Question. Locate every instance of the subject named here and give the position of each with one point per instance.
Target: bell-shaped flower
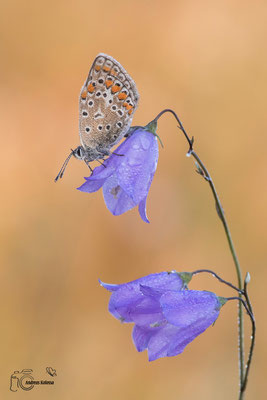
(126, 175)
(166, 315)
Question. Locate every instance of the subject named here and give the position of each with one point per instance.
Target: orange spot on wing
(97, 68)
(130, 111)
(90, 88)
(127, 106)
(122, 96)
(84, 94)
(106, 69)
(115, 89)
(108, 82)
(113, 72)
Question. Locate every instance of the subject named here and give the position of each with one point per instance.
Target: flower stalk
(198, 271)
(202, 170)
(244, 385)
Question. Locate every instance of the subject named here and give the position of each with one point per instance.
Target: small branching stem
(198, 271)
(202, 170)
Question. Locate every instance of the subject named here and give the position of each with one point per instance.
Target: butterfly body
(89, 154)
(107, 102)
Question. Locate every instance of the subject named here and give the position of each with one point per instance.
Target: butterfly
(107, 102)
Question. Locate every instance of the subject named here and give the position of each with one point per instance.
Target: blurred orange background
(207, 61)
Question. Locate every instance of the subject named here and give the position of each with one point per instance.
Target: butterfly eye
(78, 153)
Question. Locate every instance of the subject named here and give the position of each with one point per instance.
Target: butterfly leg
(102, 163)
(116, 154)
(88, 165)
(102, 154)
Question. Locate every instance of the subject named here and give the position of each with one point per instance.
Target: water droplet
(145, 142)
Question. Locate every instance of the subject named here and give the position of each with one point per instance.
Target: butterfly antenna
(62, 169)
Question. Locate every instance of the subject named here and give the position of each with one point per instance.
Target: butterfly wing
(108, 100)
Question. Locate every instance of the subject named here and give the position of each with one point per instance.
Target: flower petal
(116, 199)
(124, 301)
(106, 169)
(142, 210)
(108, 286)
(189, 313)
(141, 336)
(137, 168)
(96, 180)
(127, 301)
(91, 186)
(161, 280)
(162, 341)
(147, 312)
(152, 292)
(190, 308)
(170, 340)
(126, 175)
(159, 341)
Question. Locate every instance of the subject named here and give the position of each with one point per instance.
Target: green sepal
(152, 127)
(186, 277)
(222, 300)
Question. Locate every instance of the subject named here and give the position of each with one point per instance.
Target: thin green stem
(198, 271)
(245, 304)
(220, 212)
(204, 172)
(253, 333)
(221, 215)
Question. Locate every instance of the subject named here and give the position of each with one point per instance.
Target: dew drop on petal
(133, 161)
(145, 142)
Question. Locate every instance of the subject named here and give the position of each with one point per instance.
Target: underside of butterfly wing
(108, 100)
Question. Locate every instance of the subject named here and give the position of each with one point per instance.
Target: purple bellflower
(126, 179)
(166, 315)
